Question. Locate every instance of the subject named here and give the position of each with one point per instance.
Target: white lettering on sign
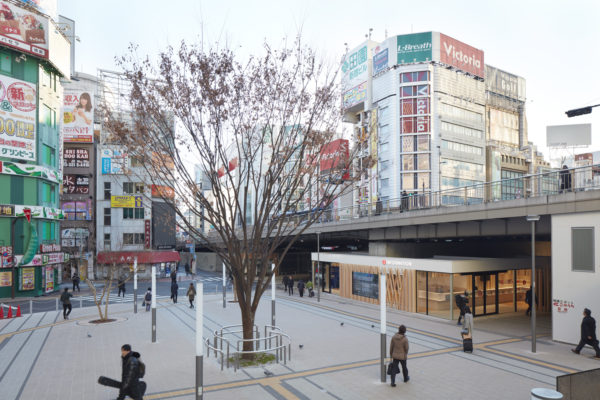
(462, 57)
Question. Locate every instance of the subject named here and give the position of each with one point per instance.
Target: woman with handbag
(399, 353)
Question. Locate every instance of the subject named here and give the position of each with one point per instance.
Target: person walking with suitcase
(65, 298)
(588, 333)
(399, 354)
(467, 331)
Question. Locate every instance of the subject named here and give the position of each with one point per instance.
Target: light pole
(383, 323)
(153, 304)
(273, 294)
(318, 276)
(533, 219)
(135, 285)
(199, 341)
(224, 287)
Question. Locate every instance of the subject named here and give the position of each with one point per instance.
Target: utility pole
(135, 285)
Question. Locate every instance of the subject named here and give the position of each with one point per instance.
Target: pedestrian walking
(173, 276)
(461, 303)
(467, 331)
(148, 299)
(290, 286)
(65, 298)
(565, 179)
(528, 299)
(76, 282)
(121, 286)
(403, 201)
(399, 353)
(187, 269)
(130, 374)
(286, 281)
(191, 294)
(174, 290)
(301, 287)
(588, 333)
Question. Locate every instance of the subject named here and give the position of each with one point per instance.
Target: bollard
(30, 306)
(545, 394)
(56, 304)
(80, 302)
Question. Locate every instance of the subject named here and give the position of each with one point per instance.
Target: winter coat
(300, 285)
(65, 297)
(286, 281)
(588, 328)
(130, 374)
(191, 293)
(174, 288)
(399, 347)
(121, 284)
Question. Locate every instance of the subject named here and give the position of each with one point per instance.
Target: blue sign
(138, 201)
(105, 165)
(380, 61)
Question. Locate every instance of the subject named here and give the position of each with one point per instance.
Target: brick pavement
(42, 356)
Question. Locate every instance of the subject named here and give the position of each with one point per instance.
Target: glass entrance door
(485, 293)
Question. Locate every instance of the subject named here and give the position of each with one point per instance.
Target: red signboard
(461, 56)
(333, 154)
(27, 212)
(49, 248)
(143, 257)
(163, 192)
(147, 233)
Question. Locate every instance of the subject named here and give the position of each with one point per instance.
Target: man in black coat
(301, 287)
(461, 302)
(174, 290)
(130, 376)
(588, 333)
(290, 286)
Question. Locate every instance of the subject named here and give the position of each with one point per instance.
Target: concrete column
(135, 285)
(199, 341)
(272, 294)
(153, 304)
(383, 321)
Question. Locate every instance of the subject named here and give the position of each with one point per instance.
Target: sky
(553, 44)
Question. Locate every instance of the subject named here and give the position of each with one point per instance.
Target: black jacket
(300, 285)
(174, 288)
(588, 328)
(130, 375)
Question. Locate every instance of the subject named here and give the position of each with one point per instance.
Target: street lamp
(533, 219)
(318, 278)
(580, 111)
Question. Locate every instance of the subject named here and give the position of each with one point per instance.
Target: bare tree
(265, 134)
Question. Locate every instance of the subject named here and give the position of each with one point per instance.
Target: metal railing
(226, 339)
(527, 186)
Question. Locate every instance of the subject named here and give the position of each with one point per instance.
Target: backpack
(148, 297)
(141, 368)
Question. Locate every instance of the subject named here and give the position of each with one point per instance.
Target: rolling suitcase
(467, 344)
(104, 381)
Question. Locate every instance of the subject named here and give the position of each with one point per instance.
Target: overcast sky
(553, 44)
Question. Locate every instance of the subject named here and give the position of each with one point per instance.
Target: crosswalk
(117, 299)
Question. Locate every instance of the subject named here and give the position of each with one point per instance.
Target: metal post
(56, 303)
(383, 327)
(533, 303)
(13, 258)
(80, 302)
(318, 277)
(30, 306)
(199, 342)
(153, 304)
(272, 295)
(224, 287)
(135, 285)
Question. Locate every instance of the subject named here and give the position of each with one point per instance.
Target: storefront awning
(143, 257)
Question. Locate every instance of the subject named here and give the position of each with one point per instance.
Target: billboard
(77, 119)
(48, 7)
(113, 161)
(17, 119)
(76, 158)
(504, 83)
(76, 184)
(334, 156)
(415, 47)
(163, 191)
(355, 95)
(355, 67)
(380, 60)
(461, 56)
(126, 201)
(163, 225)
(569, 135)
(23, 30)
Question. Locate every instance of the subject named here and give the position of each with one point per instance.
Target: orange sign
(163, 191)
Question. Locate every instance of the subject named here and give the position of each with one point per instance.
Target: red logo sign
(22, 96)
(27, 212)
(461, 56)
(147, 233)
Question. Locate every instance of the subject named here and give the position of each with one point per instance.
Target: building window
(133, 188)
(5, 63)
(107, 241)
(107, 191)
(136, 162)
(408, 162)
(582, 249)
(133, 213)
(133, 238)
(512, 184)
(107, 215)
(365, 285)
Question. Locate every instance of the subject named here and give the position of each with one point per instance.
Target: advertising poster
(126, 201)
(5, 256)
(415, 47)
(461, 56)
(78, 116)
(76, 184)
(76, 158)
(48, 7)
(49, 279)
(334, 157)
(113, 161)
(17, 116)
(27, 278)
(23, 30)
(380, 61)
(163, 191)
(5, 278)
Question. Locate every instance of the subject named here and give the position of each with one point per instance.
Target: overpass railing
(527, 186)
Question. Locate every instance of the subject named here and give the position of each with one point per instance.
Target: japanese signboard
(76, 158)
(113, 161)
(74, 237)
(501, 82)
(380, 61)
(355, 67)
(126, 201)
(49, 279)
(34, 171)
(23, 30)
(5, 256)
(17, 117)
(44, 259)
(27, 278)
(5, 278)
(49, 248)
(76, 184)
(355, 95)
(147, 234)
(163, 192)
(461, 56)
(7, 210)
(562, 306)
(78, 116)
(415, 47)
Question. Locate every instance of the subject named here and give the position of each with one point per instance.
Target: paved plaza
(43, 356)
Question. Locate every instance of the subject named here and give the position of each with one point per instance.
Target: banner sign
(380, 61)
(27, 276)
(49, 248)
(113, 161)
(461, 56)
(5, 256)
(23, 30)
(11, 210)
(76, 184)
(17, 117)
(6, 278)
(44, 259)
(126, 202)
(78, 116)
(333, 154)
(147, 228)
(415, 47)
(163, 191)
(33, 171)
(355, 95)
(76, 158)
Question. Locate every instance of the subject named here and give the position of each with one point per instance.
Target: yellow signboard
(126, 201)
(5, 278)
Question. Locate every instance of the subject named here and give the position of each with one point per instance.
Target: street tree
(266, 136)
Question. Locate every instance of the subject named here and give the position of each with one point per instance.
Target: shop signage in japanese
(39, 212)
(6, 278)
(34, 171)
(27, 278)
(113, 161)
(23, 30)
(44, 259)
(147, 233)
(78, 116)
(76, 184)
(17, 117)
(7, 210)
(76, 158)
(5, 256)
(126, 201)
(49, 248)
(563, 306)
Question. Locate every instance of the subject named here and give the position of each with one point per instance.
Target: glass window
(582, 249)
(408, 144)
(408, 107)
(408, 162)
(107, 191)
(107, 216)
(422, 292)
(408, 124)
(423, 143)
(512, 184)
(408, 91)
(438, 296)
(408, 181)
(423, 161)
(461, 130)
(423, 180)
(365, 285)
(5, 63)
(107, 241)
(422, 124)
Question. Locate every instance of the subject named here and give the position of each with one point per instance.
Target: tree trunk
(248, 328)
